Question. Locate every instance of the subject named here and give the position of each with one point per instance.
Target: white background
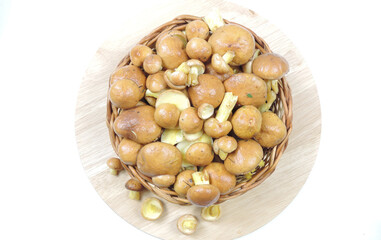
(45, 47)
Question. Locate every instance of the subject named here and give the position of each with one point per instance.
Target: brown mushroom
(224, 145)
(245, 158)
(164, 181)
(220, 177)
(152, 64)
(199, 154)
(138, 124)
(210, 70)
(130, 72)
(176, 79)
(246, 121)
(196, 68)
(221, 63)
(197, 28)
(270, 66)
(128, 151)
(159, 159)
(124, 94)
(139, 53)
(156, 83)
(114, 165)
(210, 90)
(167, 115)
(233, 38)
(135, 188)
(273, 130)
(250, 89)
(170, 46)
(187, 224)
(189, 121)
(202, 193)
(184, 181)
(216, 129)
(175, 97)
(198, 48)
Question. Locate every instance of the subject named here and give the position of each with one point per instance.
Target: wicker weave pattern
(282, 106)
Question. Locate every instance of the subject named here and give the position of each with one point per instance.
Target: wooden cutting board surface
(240, 216)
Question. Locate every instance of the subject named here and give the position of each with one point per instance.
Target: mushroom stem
(183, 68)
(228, 56)
(200, 178)
(152, 94)
(271, 96)
(134, 195)
(113, 172)
(214, 19)
(192, 76)
(248, 67)
(274, 86)
(226, 107)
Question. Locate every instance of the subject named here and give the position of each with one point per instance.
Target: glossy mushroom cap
(197, 28)
(130, 72)
(245, 158)
(159, 159)
(170, 46)
(198, 48)
(227, 144)
(139, 53)
(189, 121)
(203, 195)
(220, 177)
(270, 66)
(167, 115)
(216, 129)
(155, 82)
(210, 90)
(133, 185)
(184, 181)
(250, 89)
(138, 124)
(124, 94)
(128, 151)
(152, 64)
(246, 121)
(164, 180)
(233, 38)
(199, 154)
(114, 163)
(273, 130)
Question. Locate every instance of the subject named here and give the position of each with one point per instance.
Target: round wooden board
(240, 216)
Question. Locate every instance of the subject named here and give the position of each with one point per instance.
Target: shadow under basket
(282, 106)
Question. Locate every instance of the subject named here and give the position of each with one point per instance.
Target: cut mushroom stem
(200, 178)
(226, 107)
(172, 136)
(211, 213)
(214, 19)
(228, 56)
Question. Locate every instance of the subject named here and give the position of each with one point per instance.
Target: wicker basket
(282, 106)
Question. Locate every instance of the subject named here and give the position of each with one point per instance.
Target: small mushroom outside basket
(282, 107)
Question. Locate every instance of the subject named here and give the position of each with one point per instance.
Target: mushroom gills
(211, 213)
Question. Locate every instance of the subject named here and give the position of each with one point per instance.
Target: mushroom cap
(198, 48)
(270, 66)
(273, 130)
(133, 185)
(245, 158)
(138, 124)
(124, 94)
(197, 28)
(114, 163)
(128, 151)
(227, 144)
(155, 82)
(220, 177)
(189, 121)
(209, 90)
(170, 46)
(159, 158)
(203, 195)
(246, 121)
(152, 64)
(219, 64)
(164, 180)
(199, 154)
(175, 79)
(139, 53)
(184, 181)
(215, 129)
(234, 38)
(167, 115)
(130, 72)
(250, 89)
(210, 70)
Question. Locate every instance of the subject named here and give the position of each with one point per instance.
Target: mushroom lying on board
(211, 213)
(187, 224)
(152, 209)
(114, 165)
(135, 188)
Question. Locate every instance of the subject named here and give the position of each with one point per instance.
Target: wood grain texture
(240, 216)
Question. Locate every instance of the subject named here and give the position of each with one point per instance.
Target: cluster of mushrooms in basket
(193, 114)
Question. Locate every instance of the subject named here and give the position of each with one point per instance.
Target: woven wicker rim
(282, 106)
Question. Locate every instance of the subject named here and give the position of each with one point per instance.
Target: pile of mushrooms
(194, 111)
